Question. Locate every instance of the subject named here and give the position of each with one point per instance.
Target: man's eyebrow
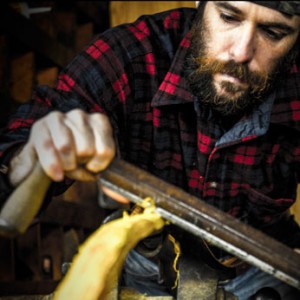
(223, 4)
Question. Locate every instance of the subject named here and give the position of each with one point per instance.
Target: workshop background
(37, 39)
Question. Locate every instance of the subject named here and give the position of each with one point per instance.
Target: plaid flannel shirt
(133, 73)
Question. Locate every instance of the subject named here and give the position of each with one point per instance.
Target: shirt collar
(174, 89)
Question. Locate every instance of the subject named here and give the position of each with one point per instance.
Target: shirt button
(213, 185)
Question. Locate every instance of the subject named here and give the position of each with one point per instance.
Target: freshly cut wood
(96, 268)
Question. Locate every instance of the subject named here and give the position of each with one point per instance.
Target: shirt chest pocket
(263, 209)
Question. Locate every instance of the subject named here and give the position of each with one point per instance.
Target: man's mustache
(258, 82)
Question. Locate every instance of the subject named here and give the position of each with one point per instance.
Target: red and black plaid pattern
(133, 73)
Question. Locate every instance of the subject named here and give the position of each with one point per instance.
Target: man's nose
(243, 47)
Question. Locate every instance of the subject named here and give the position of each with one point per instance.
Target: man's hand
(75, 144)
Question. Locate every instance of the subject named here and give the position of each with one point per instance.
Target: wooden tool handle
(24, 203)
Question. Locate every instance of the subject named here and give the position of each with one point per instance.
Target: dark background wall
(38, 38)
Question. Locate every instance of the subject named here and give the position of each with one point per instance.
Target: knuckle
(37, 126)
(47, 143)
(53, 117)
(52, 169)
(84, 156)
(76, 113)
(64, 147)
(85, 150)
(105, 152)
(54, 114)
(100, 160)
(100, 118)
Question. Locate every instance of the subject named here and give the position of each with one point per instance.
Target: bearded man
(206, 99)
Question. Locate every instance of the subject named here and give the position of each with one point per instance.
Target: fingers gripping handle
(24, 203)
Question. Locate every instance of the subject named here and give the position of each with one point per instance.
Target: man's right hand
(75, 144)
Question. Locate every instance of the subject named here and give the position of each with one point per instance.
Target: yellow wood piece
(96, 268)
(295, 210)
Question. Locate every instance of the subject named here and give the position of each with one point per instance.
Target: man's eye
(228, 18)
(273, 35)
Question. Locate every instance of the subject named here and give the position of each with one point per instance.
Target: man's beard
(242, 100)
(201, 68)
